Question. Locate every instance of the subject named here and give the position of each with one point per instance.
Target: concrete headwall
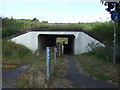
(30, 40)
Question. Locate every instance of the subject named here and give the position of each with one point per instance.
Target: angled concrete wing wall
(86, 39)
(81, 41)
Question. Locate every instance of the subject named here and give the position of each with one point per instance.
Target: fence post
(62, 49)
(59, 49)
(55, 50)
(48, 56)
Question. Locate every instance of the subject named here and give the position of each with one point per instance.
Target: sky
(55, 11)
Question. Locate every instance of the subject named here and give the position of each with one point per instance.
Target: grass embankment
(14, 55)
(104, 31)
(98, 64)
(14, 26)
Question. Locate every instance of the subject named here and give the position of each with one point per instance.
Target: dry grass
(33, 77)
(58, 75)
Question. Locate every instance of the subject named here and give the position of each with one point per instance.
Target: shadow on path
(11, 75)
(80, 80)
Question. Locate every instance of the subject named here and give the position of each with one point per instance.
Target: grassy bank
(15, 26)
(98, 64)
(14, 54)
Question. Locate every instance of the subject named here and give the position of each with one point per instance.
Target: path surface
(80, 80)
(12, 75)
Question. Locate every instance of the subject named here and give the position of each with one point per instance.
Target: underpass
(46, 40)
(39, 39)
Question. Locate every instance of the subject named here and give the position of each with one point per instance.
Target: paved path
(11, 75)
(80, 80)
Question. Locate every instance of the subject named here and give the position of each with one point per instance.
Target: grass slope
(14, 54)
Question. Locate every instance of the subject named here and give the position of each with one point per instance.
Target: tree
(44, 21)
(35, 19)
(12, 18)
(113, 7)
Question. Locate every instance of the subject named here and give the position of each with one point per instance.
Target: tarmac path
(11, 75)
(80, 80)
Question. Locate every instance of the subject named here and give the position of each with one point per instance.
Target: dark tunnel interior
(46, 40)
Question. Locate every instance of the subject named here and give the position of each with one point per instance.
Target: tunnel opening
(46, 40)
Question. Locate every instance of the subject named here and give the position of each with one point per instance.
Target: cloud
(88, 19)
(99, 18)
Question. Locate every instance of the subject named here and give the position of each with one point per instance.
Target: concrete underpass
(78, 40)
(47, 40)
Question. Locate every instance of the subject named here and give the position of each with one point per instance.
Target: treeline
(104, 31)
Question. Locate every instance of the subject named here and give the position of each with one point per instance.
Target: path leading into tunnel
(80, 80)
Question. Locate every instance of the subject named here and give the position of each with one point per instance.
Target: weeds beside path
(34, 77)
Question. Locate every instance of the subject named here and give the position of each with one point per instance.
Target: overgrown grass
(58, 76)
(105, 54)
(99, 64)
(35, 76)
(14, 54)
(14, 26)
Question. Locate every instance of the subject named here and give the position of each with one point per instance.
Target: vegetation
(15, 26)
(105, 54)
(99, 68)
(97, 63)
(104, 31)
(34, 77)
(14, 54)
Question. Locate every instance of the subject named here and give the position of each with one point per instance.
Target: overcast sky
(61, 11)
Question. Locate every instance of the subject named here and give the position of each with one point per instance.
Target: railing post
(48, 57)
(55, 58)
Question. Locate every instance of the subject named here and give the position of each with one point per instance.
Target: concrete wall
(87, 39)
(30, 40)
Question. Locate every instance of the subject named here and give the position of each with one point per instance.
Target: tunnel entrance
(46, 40)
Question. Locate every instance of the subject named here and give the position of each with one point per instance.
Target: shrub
(23, 51)
(105, 53)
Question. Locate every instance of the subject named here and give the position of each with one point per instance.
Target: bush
(23, 52)
(9, 32)
(105, 53)
(6, 53)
